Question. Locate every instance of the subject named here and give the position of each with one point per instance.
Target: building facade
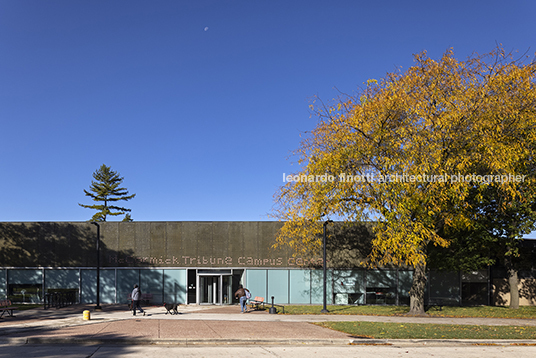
(204, 262)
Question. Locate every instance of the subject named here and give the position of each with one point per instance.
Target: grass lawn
(384, 330)
(526, 312)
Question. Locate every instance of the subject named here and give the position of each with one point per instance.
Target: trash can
(272, 309)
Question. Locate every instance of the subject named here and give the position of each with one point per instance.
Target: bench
(5, 306)
(257, 302)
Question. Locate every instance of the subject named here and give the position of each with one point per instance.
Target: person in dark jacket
(241, 295)
(136, 297)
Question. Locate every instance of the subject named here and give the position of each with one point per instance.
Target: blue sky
(198, 104)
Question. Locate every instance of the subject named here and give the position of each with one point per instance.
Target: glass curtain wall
(288, 286)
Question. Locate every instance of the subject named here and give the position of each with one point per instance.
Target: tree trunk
(513, 283)
(416, 294)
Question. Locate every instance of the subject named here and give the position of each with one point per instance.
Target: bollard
(87, 315)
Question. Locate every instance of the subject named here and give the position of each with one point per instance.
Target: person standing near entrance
(136, 297)
(241, 294)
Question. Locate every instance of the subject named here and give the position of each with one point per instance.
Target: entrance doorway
(209, 289)
(212, 286)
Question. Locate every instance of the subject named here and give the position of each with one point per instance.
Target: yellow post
(86, 315)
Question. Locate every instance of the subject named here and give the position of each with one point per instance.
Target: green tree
(399, 153)
(506, 221)
(499, 222)
(106, 189)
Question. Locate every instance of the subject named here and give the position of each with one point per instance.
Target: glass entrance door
(227, 290)
(209, 290)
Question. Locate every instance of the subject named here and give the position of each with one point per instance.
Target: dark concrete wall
(143, 244)
(168, 244)
(192, 244)
(47, 244)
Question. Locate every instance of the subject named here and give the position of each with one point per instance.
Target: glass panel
(152, 286)
(64, 281)
(18, 277)
(61, 279)
(474, 293)
(25, 285)
(256, 283)
(381, 287)
(317, 287)
(126, 279)
(405, 280)
(3, 290)
(300, 286)
(475, 288)
(88, 286)
(444, 286)
(107, 286)
(348, 286)
(227, 290)
(203, 298)
(277, 286)
(209, 289)
(175, 286)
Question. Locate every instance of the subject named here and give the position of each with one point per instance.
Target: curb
(261, 342)
(176, 341)
(444, 342)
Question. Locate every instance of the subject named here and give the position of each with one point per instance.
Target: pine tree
(105, 189)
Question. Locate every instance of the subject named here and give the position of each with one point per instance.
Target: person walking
(241, 294)
(136, 297)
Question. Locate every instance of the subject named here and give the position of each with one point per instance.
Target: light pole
(98, 307)
(324, 309)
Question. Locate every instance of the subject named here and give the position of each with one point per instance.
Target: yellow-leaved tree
(404, 152)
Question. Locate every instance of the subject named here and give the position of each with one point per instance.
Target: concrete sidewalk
(204, 325)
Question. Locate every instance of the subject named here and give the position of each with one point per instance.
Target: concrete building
(204, 262)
